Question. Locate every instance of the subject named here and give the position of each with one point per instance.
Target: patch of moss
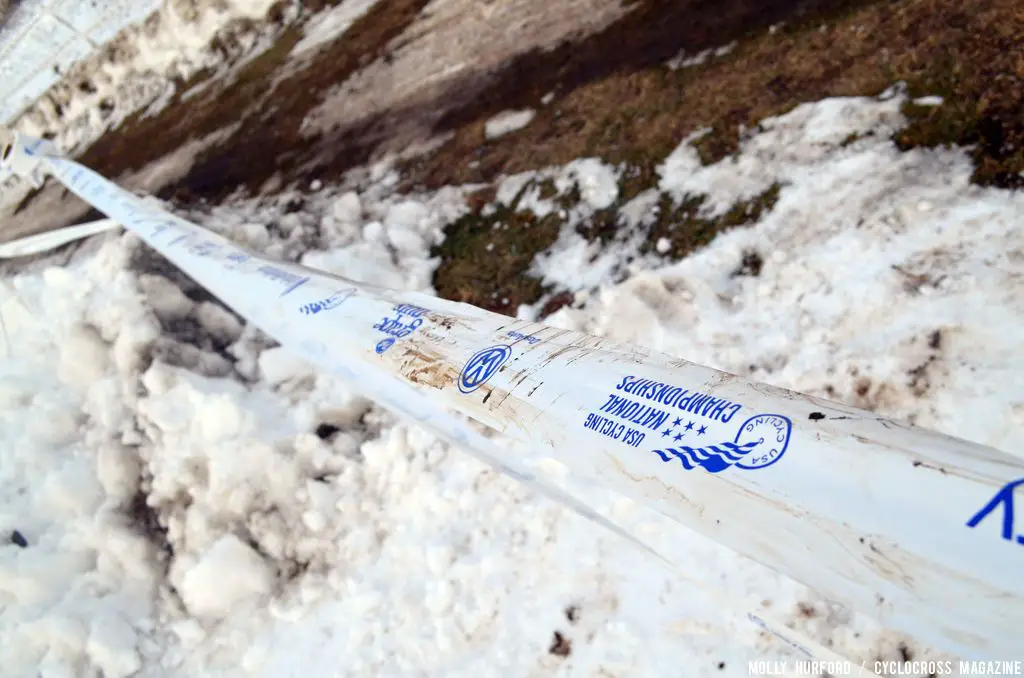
(720, 142)
(980, 125)
(547, 189)
(640, 172)
(751, 211)
(603, 225)
(686, 230)
(485, 258)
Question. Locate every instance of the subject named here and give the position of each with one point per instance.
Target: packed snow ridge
(190, 499)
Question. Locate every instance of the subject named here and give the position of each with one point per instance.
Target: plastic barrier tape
(913, 528)
(44, 242)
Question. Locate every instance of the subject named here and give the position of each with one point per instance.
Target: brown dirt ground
(615, 99)
(971, 53)
(269, 139)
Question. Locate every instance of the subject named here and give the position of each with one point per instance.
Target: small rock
(560, 646)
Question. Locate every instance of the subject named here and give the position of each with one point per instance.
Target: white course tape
(43, 242)
(907, 526)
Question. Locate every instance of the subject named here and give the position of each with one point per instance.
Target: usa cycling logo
(760, 442)
(688, 426)
(482, 367)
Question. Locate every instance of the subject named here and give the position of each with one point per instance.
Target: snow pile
(508, 122)
(886, 280)
(196, 501)
(69, 477)
(148, 492)
(41, 39)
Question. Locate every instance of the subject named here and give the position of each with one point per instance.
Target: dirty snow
(136, 69)
(134, 73)
(196, 501)
(456, 40)
(330, 24)
(41, 39)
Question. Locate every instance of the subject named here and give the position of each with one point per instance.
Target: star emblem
(678, 422)
(702, 430)
(666, 432)
(679, 436)
(689, 426)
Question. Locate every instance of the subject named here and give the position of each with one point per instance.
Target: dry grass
(968, 52)
(686, 230)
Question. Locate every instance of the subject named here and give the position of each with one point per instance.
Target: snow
(226, 579)
(331, 23)
(135, 71)
(681, 60)
(111, 646)
(785, 150)
(598, 184)
(43, 35)
(507, 122)
(198, 501)
(868, 252)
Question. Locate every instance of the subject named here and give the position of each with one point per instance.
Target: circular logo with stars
(768, 434)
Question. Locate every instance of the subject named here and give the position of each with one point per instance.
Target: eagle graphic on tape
(760, 442)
